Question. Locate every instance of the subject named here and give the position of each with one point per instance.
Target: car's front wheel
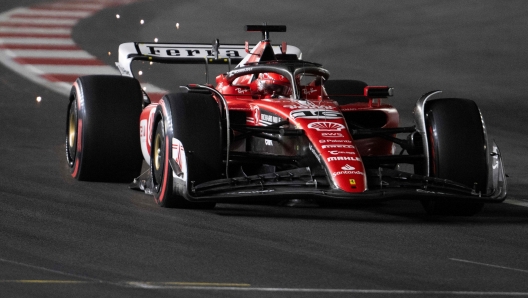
(457, 151)
(186, 148)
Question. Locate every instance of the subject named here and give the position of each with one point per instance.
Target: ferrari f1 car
(275, 128)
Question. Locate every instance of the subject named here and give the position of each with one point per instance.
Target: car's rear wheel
(186, 148)
(102, 129)
(457, 151)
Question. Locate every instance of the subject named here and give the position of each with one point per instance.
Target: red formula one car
(276, 128)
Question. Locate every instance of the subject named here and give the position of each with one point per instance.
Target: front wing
(383, 184)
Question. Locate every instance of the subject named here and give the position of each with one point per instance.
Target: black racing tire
(457, 151)
(192, 121)
(102, 129)
(346, 91)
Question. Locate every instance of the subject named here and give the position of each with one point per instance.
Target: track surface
(62, 238)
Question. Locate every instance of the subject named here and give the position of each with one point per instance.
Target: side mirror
(378, 91)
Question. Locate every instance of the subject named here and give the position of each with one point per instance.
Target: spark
(118, 16)
(39, 99)
(142, 22)
(177, 25)
(140, 72)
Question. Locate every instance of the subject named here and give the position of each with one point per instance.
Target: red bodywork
(321, 118)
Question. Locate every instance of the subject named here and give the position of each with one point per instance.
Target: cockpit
(296, 80)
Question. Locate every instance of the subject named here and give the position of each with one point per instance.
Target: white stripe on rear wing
(181, 53)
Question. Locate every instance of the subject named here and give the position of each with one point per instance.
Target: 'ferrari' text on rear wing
(182, 53)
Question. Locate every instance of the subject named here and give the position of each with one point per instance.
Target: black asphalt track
(63, 238)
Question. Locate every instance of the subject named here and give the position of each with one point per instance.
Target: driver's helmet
(271, 84)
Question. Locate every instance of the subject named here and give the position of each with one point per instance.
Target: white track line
(248, 288)
(489, 265)
(35, 30)
(326, 291)
(36, 41)
(51, 54)
(41, 12)
(50, 21)
(76, 69)
(72, 6)
(51, 270)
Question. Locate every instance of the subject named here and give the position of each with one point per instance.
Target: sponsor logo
(338, 146)
(326, 126)
(269, 119)
(161, 50)
(348, 170)
(332, 135)
(315, 114)
(235, 71)
(338, 158)
(347, 173)
(309, 91)
(268, 142)
(337, 152)
(241, 90)
(335, 141)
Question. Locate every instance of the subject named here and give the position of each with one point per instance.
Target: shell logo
(326, 126)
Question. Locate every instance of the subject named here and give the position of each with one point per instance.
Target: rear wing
(182, 53)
